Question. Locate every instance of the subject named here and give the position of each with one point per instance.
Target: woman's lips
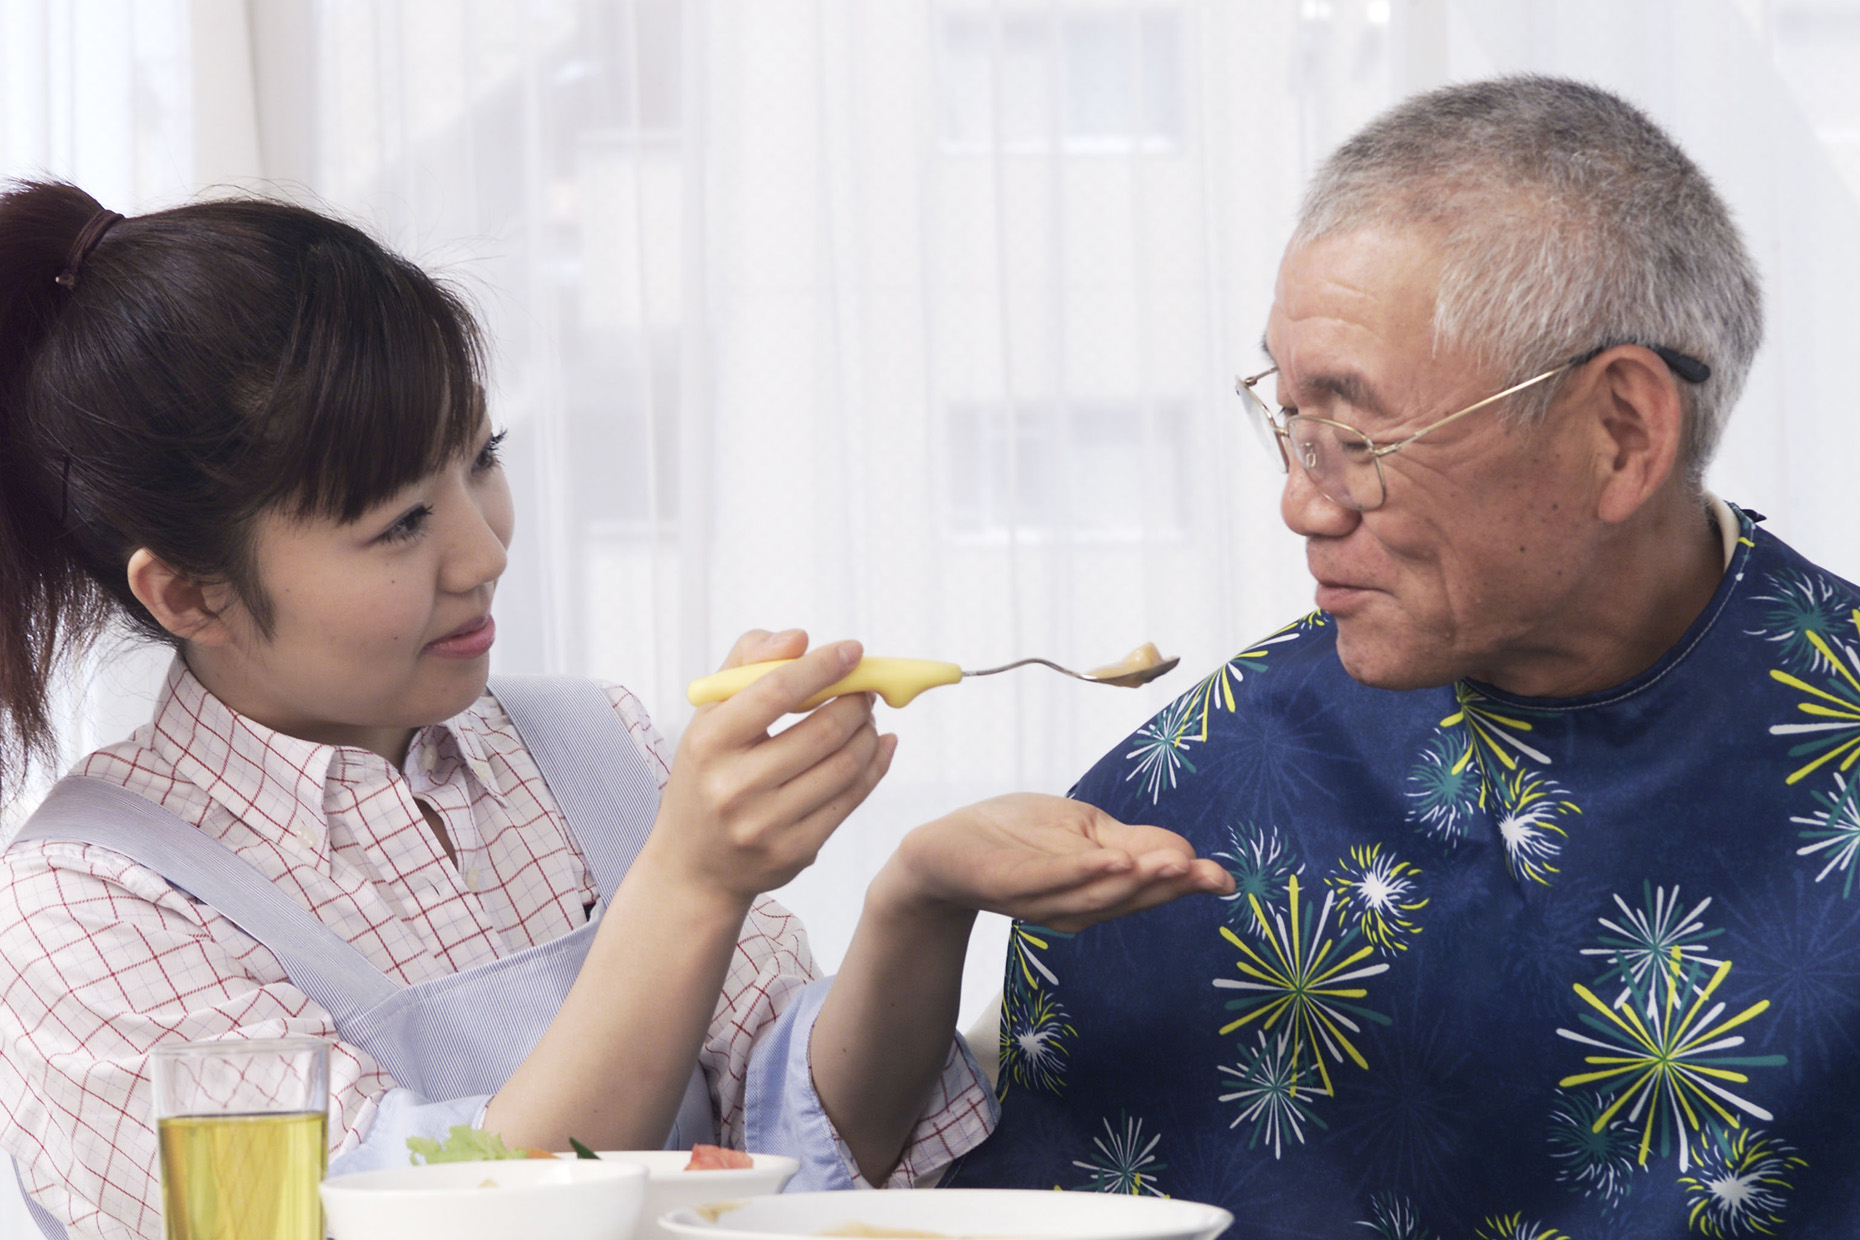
(467, 641)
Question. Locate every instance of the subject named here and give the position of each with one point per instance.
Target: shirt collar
(455, 740)
(277, 785)
(272, 783)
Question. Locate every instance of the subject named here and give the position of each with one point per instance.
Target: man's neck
(1653, 579)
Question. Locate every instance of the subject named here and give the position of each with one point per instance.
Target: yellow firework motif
(1300, 980)
(1669, 1067)
(1513, 1227)
(1742, 1184)
(1379, 892)
(1493, 735)
(1533, 838)
(1024, 967)
(1836, 735)
(1216, 693)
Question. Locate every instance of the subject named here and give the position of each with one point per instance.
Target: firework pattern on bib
(1496, 967)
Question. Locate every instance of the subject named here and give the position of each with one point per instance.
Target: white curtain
(914, 321)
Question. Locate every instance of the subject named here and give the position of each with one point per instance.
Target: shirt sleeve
(100, 961)
(755, 1053)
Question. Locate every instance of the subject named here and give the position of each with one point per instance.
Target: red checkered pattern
(101, 960)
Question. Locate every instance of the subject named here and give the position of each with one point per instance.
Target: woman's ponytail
(47, 602)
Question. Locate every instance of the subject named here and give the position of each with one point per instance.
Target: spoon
(899, 681)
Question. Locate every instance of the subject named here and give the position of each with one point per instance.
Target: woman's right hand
(745, 811)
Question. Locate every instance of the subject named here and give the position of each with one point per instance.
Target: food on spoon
(1141, 659)
(466, 1144)
(717, 1158)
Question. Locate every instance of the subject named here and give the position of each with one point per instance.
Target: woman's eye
(488, 455)
(409, 525)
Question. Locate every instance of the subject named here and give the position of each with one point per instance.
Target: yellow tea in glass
(244, 1138)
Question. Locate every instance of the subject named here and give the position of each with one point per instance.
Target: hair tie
(87, 240)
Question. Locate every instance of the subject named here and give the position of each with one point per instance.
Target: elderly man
(1545, 827)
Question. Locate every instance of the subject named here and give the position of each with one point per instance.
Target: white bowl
(954, 1214)
(670, 1187)
(488, 1201)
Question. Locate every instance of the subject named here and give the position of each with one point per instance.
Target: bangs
(381, 384)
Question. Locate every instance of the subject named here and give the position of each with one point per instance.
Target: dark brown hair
(209, 363)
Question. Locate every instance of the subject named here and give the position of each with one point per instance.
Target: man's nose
(1307, 511)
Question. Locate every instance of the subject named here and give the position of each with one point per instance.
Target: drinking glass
(243, 1128)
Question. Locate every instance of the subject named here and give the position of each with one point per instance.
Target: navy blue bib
(1495, 967)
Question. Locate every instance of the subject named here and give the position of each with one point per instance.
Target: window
(622, 425)
(1088, 79)
(1096, 471)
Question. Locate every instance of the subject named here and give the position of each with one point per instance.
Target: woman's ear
(191, 611)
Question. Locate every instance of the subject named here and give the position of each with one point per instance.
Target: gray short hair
(1568, 220)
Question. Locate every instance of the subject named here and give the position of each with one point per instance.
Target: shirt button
(429, 759)
(471, 880)
(306, 836)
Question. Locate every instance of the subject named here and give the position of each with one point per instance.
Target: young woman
(248, 431)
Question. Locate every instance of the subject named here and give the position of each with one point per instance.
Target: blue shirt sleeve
(400, 1114)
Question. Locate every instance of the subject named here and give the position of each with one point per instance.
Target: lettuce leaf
(462, 1144)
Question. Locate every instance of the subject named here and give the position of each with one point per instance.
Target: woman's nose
(481, 543)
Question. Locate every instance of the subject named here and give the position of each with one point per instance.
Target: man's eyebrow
(1350, 388)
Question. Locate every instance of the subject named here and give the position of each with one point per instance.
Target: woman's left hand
(1049, 860)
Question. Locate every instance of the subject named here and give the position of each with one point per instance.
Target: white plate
(954, 1214)
(670, 1187)
(523, 1197)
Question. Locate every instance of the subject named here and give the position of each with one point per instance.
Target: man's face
(1472, 565)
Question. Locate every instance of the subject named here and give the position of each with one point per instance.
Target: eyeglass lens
(1340, 461)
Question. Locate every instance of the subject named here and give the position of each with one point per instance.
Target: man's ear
(1641, 423)
(188, 609)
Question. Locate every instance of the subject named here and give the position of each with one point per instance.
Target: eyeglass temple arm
(1454, 417)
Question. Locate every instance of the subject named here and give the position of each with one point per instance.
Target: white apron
(453, 1036)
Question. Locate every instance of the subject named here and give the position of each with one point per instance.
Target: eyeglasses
(1346, 465)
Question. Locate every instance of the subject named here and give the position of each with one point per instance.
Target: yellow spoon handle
(898, 681)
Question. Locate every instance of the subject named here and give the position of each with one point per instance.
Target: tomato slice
(717, 1158)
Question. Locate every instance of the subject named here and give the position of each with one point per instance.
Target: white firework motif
(1162, 748)
(1274, 1092)
(1444, 790)
(1834, 831)
(1261, 866)
(1655, 952)
(1125, 1162)
(1533, 806)
(1036, 1042)
(1801, 603)
(1741, 1185)
(1593, 1160)
(1392, 1217)
(1515, 1227)
(1379, 893)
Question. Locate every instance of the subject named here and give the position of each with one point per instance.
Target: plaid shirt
(101, 960)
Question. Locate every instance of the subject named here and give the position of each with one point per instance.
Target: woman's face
(381, 625)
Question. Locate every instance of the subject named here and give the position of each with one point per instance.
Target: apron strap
(599, 778)
(319, 962)
(48, 1226)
